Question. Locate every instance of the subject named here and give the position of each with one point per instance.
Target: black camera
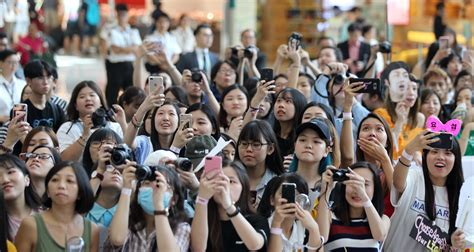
(101, 116)
(338, 78)
(385, 47)
(235, 51)
(144, 172)
(248, 52)
(184, 164)
(340, 175)
(120, 153)
(295, 39)
(196, 75)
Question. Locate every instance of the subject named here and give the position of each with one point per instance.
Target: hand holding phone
(156, 83)
(288, 192)
(267, 74)
(443, 42)
(212, 166)
(186, 121)
(371, 85)
(445, 141)
(20, 109)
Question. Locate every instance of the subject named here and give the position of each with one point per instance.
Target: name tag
(425, 232)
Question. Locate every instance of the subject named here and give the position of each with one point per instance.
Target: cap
(155, 157)
(317, 125)
(198, 147)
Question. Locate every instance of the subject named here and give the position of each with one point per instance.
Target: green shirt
(470, 145)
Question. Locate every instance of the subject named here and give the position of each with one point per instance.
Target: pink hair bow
(452, 126)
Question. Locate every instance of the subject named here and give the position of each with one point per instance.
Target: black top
(51, 116)
(287, 146)
(232, 241)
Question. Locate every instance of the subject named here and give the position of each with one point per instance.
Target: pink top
(14, 225)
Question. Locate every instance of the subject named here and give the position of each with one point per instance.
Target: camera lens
(196, 76)
(143, 172)
(184, 164)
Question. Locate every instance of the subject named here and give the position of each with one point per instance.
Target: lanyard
(10, 93)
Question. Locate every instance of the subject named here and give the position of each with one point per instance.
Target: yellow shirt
(405, 136)
(10, 247)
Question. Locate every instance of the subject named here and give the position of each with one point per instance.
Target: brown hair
(435, 72)
(35, 131)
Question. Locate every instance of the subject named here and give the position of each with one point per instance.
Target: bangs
(252, 132)
(105, 134)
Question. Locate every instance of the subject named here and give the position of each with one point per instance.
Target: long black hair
(72, 112)
(222, 113)
(341, 206)
(204, 108)
(265, 208)
(453, 185)
(255, 131)
(214, 222)
(299, 102)
(154, 133)
(99, 135)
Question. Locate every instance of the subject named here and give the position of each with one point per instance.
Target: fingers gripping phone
(20, 109)
(445, 141)
(267, 74)
(156, 83)
(186, 121)
(443, 42)
(371, 85)
(288, 191)
(212, 165)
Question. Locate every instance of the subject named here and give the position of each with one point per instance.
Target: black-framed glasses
(28, 155)
(253, 145)
(98, 144)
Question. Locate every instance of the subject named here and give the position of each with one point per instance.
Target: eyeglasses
(254, 145)
(226, 71)
(46, 78)
(98, 144)
(28, 155)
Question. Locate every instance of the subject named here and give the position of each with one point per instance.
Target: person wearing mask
(11, 86)
(201, 58)
(355, 52)
(248, 39)
(184, 34)
(124, 41)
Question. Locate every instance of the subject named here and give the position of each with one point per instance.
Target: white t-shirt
(123, 38)
(170, 45)
(69, 132)
(408, 207)
(185, 39)
(297, 235)
(10, 94)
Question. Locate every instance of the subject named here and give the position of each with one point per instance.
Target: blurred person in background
(184, 34)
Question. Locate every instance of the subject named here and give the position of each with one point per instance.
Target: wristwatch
(162, 212)
(98, 175)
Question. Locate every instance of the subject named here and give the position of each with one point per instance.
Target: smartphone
(288, 191)
(186, 120)
(267, 74)
(156, 83)
(372, 85)
(295, 40)
(443, 42)
(445, 141)
(213, 165)
(20, 109)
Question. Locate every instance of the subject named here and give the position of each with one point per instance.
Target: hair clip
(452, 126)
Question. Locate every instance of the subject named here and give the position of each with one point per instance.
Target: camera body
(144, 172)
(101, 116)
(338, 78)
(340, 175)
(184, 164)
(248, 52)
(120, 153)
(196, 75)
(295, 40)
(385, 47)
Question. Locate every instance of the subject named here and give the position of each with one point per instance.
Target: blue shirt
(100, 215)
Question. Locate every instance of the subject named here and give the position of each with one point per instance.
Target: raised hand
(422, 141)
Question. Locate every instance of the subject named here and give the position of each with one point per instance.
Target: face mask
(145, 200)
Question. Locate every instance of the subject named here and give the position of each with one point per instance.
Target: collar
(202, 50)
(98, 211)
(3, 80)
(267, 176)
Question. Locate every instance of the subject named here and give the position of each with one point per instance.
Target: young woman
(101, 140)
(234, 103)
(463, 79)
(452, 64)
(431, 104)
(291, 225)
(223, 75)
(304, 85)
(204, 120)
(38, 162)
(401, 105)
(222, 221)
(289, 104)
(464, 96)
(69, 196)
(258, 150)
(357, 220)
(40, 135)
(86, 98)
(20, 196)
(430, 193)
(155, 219)
(176, 94)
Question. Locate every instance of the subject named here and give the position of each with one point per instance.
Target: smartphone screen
(267, 74)
(156, 83)
(443, 42)
(212, 165)
(186, 120)
(288, 191)
(372, 85)
(20, 109)
(445, 141)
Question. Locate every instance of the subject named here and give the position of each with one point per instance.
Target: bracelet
(127, 191)
(202, 201)
(367, 204)
(5, 149)
(407, 156)
(276, 231)
(400, 161)
(321, 238)
(175, 150)
(347, 116)
(81, 141)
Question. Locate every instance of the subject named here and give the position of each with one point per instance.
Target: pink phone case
(212, 164)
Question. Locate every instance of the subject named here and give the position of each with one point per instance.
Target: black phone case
(288, 192)
(372, 85)
(445, 141)
(267, 74)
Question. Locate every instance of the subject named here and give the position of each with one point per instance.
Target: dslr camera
(340, 175)
(248, 52)
(184, 164)
(144, 172)
(196, 75)
(385, 47)
(338, 78)
(120, 153)
(101, 116)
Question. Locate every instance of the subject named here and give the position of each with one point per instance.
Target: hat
(198, 147)
(317, 125)
(155, 157)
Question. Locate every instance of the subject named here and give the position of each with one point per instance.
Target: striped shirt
(60, 102)
(355, 237)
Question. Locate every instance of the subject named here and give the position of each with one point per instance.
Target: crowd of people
(343, 152)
